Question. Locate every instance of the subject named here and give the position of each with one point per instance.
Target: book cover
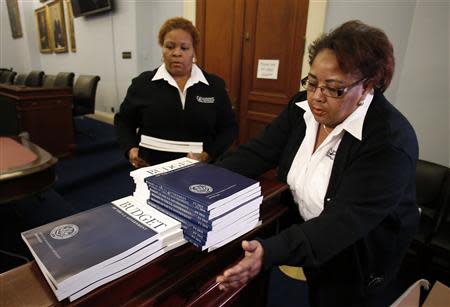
(202, 184)
(200, 212)
(73, 248)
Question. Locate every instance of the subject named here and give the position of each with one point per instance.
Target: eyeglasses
(328, 91)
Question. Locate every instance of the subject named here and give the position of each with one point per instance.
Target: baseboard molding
(103, 117)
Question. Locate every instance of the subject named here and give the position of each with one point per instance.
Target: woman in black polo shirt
(178, 101)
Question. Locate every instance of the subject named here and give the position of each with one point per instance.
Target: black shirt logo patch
(205, 99)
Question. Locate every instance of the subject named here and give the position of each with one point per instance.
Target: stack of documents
(170, 145)
(214, 205)
(81, 252)
(142, 193)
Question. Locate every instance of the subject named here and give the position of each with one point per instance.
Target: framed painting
(57, 26)
(14, 18)
(70, 26)
(43, 29)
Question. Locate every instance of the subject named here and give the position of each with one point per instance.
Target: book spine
(140, 174)
(180, 218)
(191, 212)
(191, 231)
(178, 196)
(181, 211)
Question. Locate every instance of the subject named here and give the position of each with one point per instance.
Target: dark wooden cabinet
(45, 113)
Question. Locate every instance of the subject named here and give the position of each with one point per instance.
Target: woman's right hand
(135, 160)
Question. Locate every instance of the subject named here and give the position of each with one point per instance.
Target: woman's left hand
(202, 157)
(246, 269)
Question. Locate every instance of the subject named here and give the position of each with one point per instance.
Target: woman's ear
(367, 87)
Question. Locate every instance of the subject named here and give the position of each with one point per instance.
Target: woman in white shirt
(349, 158)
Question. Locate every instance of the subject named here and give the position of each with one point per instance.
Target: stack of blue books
(213, 204)
(81, 252)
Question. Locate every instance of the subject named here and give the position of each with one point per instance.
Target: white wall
(424, 81)
(15, 52)
(150, 16)
(419, 31)
(100, 40)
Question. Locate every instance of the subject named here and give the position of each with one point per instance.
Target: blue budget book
(202, 186)
(71, 250)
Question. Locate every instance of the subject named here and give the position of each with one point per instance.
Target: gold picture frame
(70, 26)
(43, 29)
(14, 18)
(57, 26)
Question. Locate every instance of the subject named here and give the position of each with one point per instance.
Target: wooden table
(25, 169)
(45, 113)
(183, 276)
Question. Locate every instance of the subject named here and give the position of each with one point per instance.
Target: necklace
(326, 130)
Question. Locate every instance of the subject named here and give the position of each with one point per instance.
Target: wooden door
(221, 23)
(270, 30)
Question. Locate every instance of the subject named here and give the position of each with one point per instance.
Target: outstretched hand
(246, 269)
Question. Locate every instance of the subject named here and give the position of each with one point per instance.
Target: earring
(194, 60)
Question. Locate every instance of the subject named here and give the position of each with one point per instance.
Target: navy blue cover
(183, 209)
(104, 232)
(224, 184)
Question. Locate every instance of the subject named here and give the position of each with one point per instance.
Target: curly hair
(359, 48)
(179, 23)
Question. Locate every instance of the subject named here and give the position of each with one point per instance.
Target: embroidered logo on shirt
(331, 153)
(205, 99)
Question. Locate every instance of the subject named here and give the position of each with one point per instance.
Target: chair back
(48, 81)
(7, 76)
(20, 79)
(84, 92)
(430, 183)
(64, 79)
(34, 78)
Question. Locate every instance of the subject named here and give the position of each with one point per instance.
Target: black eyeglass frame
(340, 92)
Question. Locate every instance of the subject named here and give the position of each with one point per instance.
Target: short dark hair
(179, 23)
(359, 48)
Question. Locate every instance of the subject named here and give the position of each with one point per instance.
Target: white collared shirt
(195, 77)
(310, 171)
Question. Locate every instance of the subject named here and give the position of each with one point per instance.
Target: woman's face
(178, 53)
(325, 72)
